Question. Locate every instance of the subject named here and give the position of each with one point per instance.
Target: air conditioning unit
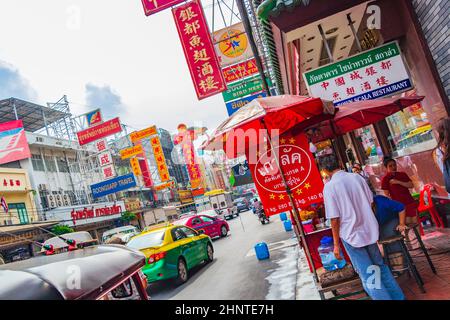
(59, 200)
(51, 200)
(66, 200)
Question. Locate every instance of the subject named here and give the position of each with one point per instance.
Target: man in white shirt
(348, 201)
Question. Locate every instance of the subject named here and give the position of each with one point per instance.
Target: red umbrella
(275, 114)
(359, 114)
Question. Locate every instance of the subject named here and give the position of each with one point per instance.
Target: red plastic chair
(426, 204)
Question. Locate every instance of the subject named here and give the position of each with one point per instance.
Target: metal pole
(248, 30)
(15, 109)
(352, 27)
(291, 199)
(325, 43)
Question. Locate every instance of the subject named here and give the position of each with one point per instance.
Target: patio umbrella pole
(294, 208)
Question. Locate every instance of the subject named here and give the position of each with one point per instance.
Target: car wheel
(210, 253)
(182, 272)
(223, 231)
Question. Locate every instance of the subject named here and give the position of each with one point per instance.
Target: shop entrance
(21, 212)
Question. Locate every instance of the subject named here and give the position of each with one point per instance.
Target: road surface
(235, 272)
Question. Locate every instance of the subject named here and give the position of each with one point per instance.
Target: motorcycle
(262, 217)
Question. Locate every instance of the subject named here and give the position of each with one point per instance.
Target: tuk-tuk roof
(100, 268)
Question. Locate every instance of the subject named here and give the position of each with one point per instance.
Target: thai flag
(4, 204)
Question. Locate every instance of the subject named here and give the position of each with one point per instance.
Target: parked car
(222, 202)
(242, 204)
(108, 273)
(125, 233)
(211, 213)
(213, 227)
(171, 251)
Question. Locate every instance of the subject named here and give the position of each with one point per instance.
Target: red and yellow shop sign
(99, 131)
(240, 70)
(163, 186)
(134, 162)
(198, 49)
(160, 159)
(142, 134)
(131, 151)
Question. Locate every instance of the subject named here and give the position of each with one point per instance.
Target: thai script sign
(234, 106)
(243, 88)
(198, 49)
(113, 185)
(240, 70)
(13, 142)
(131, 151)
(102, 130)
(142, 134)
(369, 75)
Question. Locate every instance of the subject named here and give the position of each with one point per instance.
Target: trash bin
(262, 251)
(283, 216)
(287, 225)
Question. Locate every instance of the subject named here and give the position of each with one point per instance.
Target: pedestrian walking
(396, 185)
(348, 204)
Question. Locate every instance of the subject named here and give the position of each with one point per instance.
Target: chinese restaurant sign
(234, 106)
(109, 171)
(153, 6)
(101, 145)
(198, 49)
(105, 158)
(299, 168)
(13, 142)
(369, 75)
(232, 45)
(160, 159)
(131, 151)
(243, 88)
(102, 130)
(142, 134)
(240, 70)
(113, 185)
(134, 162)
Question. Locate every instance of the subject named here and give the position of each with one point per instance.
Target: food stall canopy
(277, 114)
(359, 114)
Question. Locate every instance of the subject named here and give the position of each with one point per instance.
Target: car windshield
(152, 239)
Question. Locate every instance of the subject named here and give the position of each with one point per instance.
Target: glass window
(207, 219)
(62, 165)
(178, 234)
(148, 240)
(50, 163)
(370, 144)
(188, 232)
(410, 131)
(36, 161)
(196, 221)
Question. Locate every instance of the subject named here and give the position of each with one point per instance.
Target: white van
(125, 232)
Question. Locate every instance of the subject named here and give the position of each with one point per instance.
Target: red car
(212, 226)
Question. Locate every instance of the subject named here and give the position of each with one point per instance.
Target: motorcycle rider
(257, 205)
(260, 211)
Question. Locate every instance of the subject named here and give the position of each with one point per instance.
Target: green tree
(62, 229)
(128, 216)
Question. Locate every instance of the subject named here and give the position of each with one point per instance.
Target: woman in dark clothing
(396, 186)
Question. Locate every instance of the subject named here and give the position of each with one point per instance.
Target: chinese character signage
(163, 186)
(160, 159)
(13, 142)
(232, 45)
(105, 158)
(13, 181)
(198, 49)
(153, 6)
(240, 70)
(142, 134)
(134, 162)
(243, 88)
(101, 145)
(108, 171)
(113, 185)
(99, 131)
(369, 75)
(131, 151)
(94, 117)
(299, 168)
(234, 106)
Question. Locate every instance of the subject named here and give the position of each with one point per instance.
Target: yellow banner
(134, 162)
(164, 186)
(160, 159)
(142, 134)
(131, 152)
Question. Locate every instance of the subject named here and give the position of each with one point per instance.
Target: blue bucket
(262, 251)
(287, 225)
(283, 216)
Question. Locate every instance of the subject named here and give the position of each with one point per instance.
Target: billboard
(142, 134)
(232, 45)
(369, 75)
(99, 131)
(94, 117)
(234, 106)
(242, 174)
(198, 49)
(113, 185)
(13, 142)
(131, 151)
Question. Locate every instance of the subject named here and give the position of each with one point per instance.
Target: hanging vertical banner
(134, 162)
(300, 171)
(146, 174)
(198, 49)
(108, 171)
(160, 159)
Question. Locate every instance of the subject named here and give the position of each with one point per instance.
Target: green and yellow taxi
(171, 251)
